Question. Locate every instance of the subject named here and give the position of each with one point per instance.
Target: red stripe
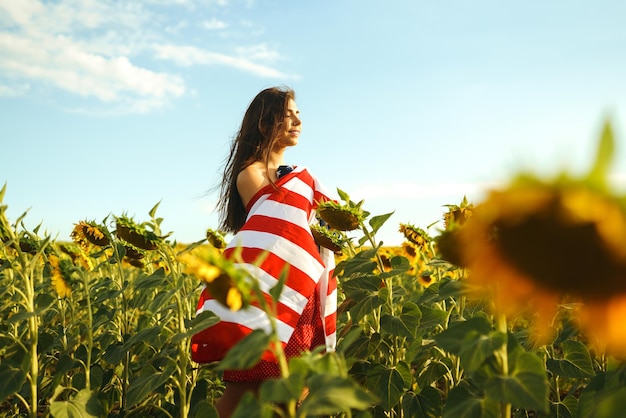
(273, 265)
(332, 283)
(291, 198)
(331, 324)
(305, 176)
(218, 338)
(213, 343)
(286, 230)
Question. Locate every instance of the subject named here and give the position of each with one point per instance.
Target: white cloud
(259, 52)
(104, 50)
(64, 64)
(190, 55)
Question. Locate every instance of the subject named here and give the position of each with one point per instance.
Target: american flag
(277, 228)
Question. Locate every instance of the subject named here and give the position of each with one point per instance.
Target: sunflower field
(513, 308)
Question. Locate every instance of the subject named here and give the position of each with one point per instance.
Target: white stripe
(299, 187)
(251, 317)
(282, 211)
(289, 297)
(292, 253)
(295, 184)
(331, 303)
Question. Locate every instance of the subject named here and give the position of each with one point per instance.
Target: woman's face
(293, 126)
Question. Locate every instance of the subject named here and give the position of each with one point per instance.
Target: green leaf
(564, 409)
(427, 403)
(282, 390)
(84, 405)
(478, 348)
(388, 383)
(432, 316)
(250, 407)
(12, 379)
(377, 221)
(150, 380)
(366, 305)
(203, 409)
(434, 371)
(602, 395)
(525, 386)
(598, 174)
(576, 362)
(152, 212)
(404, 325)
(153, 281)
(146, 334)
(362, 263)
(463, 403)
(247, 352)
(332, 394)
(455, 337)
(277, 289)
(200, 322)
(361, 285)
(343, 195)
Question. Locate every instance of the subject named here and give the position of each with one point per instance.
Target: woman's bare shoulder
(250, 180)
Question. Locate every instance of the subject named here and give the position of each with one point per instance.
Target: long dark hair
(260, 129)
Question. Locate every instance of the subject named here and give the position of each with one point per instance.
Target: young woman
(269, 206)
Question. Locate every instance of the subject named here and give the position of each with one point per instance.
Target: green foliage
(118, 345)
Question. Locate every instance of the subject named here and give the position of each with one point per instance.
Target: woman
(269, 206)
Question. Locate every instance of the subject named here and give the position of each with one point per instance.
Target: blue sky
(108, 107)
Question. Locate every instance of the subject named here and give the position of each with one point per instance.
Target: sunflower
(409, 250)
(425, 279)
(89, 232)
(28, 245)
(216, 238)
(457, 214)
(76, 254)
(385, 259)
(327, 238)
(415, 235)
(228, 284)
(58, 277)
(342, 217)
(136, 234)
(537, 242)
(449, 247)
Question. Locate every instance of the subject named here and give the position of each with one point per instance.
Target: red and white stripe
(277, 228)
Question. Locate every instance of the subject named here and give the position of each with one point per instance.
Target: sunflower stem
(502, 354)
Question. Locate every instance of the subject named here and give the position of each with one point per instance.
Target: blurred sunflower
(59, 276)
(28, 245)
(227, 284)
(537, 242)
(385, 258)
(216, 238)
(76, 254)
(89, 232)
(448, 247)
(457, 214)
(409, 251)
(425, 279)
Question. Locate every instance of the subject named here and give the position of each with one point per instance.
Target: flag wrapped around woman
(277, 231)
